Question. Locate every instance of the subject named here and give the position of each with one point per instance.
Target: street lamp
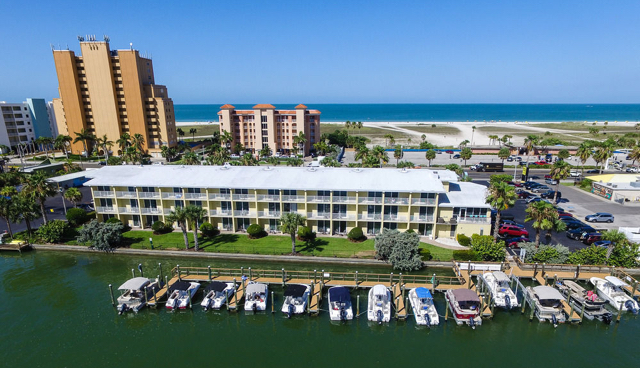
(64, 205)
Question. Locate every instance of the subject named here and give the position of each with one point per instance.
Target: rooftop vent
(312, 169)
(226, 166)
(268, 168)
(357, 170)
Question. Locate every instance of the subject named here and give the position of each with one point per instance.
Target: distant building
(266, 126)
(111, 92)
(16, 124)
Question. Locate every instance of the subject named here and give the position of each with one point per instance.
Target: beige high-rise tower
(112, 92)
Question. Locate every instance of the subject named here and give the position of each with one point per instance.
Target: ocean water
(440, 112)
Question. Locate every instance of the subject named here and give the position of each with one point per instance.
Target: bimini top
(295, 290)
(616, 281)
(256, 288)
(423, 293)
(380, 290)
(547, 293)
(465, 295)
(339, 294)
(136, 283)
(216, 286)
(180, 285)
(501, 276)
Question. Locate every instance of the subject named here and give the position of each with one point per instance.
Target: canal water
(56, 312)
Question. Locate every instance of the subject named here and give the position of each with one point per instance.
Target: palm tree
(397, 154)
(300, 140)
(106, 144)
(25, 209)
(190, 158)
(218, 157)
(180, 132)
(289, 223)
(359, 125)
(473, 132)
(504, 153)
(273, 161)
(493, 139)
(361, 153)
(295, 162)
(226, 138)
(602, 154)
(266, 151)
(530, 144)
(130, 154)
(195, 215)
(39, 188)
(193, 132)
(560, 170)
(380, 154)
(137, 141)
(124, 142)
(387, 139)
(248, 160)
(466, 154)
(74, 195)
(583, 153)
(635, 155)
(464, 143)
(543, 215)
(62, 142)
(85, 137)
(237, 148)
(8, 210)
(500, 196)
(430, 155)
(423, 137)
(180, 216)
(347, 124)
(169, 153)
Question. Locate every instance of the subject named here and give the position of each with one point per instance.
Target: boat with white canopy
(423, 307)
(135, 293)
(547, 304)
(340, 308)
(217, 294)
(611, 289)
(379, 304)
(256, 295)
(587, 300)
(499, 287)
(180, 292)
(295, 299)
(465, 305)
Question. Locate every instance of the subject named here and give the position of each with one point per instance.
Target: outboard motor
(343, 314)
(631, 306)
(507, 301)
(290, 311)
(427, 319)
(380, 316)
(122, 308)
(607, 318)
(254, 307)
(472, 323)
(554, 320)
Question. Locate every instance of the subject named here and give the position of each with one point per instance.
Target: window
(179, 204)
(225, 206)
(324, 193)
(273, 191)
(274, 207)
(225, 191)
(264, 126)
(265, 139)
(227, 223)
(289, 192)
(263, 119)
(290, 207)
(150, 203)
(133, 203)
(241, 191)
(103, 188)
(193, 190)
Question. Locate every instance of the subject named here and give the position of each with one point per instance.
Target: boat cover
(339, 294)
(295, 290)
(380, 290)
(616, 281)
(135, 283)
(423, 293)
(256, 288)
(501, 276)
(547, 292)
(180, 285)
(465, 295)
(216, 286)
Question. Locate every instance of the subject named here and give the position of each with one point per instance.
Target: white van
(575, 173)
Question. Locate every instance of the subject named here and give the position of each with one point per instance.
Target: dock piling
(535, 270)
(315, 276)
(358, 306)
(209, 271)
(113, 300)
(356, 279)
(155, 298)
(178, 267)
(309, 298)
(249, 273)
(235, 295)
(140, 269)
(322, 277)
(391, 279)
(582, 313)
(284, 281)
(226, 300)
(619, 312)
(273, 303)
(146, 295)
(577, 271)
(446, 311)
(242, 271)
(189, 295)
(160, 268)
(133, 273)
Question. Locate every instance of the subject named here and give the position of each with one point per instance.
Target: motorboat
(580, 298)
(255, 298)
(295, 299)
(499, 287)
(423, 307)
(379, 304)
(179, 294)
(611, 289)
(340, 308)
(217, 294)
(465, 306)
(135, 293)
(547, 303)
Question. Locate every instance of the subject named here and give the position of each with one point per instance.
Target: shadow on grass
(218, 240)
(312, 246)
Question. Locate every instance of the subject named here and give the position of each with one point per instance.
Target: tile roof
(264, 106)
(227, 106)
(301, 106)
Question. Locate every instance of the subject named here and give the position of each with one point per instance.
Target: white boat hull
(179, 299)
(425, 315)
(379, 312)
(617, 298)
(502, 295)
(211, 301)
(298, 305)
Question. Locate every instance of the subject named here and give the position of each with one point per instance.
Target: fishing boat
(610, 289)
(295, 299)
(216, 294)
(256, 295)
(498, 284)
(340, 308)
(547, 303)
(465, 305)
(180, 293)
(379, 304)
(587, 300)
(423, 307)
(135, 293)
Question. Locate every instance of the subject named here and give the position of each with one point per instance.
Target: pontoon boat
(465, 305)
(133, 294)
(548, 304)
(580, 299)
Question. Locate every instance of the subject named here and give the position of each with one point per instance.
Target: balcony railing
(319, 199)
(172, 195)
(120, 194)
(342, 216)
(319, 215)
(370, 200)
(474, 220)
(344, 199)
(269, 197)
(394, 218)
(244, 214)
(219, 196)
(292, 198)
(424, 201)
(195, 195)
(244, 197)
(370, 216)
(422, 218)
(269, 214)
(128, 209)
(106, 209)
(220, 213)
(149, 195)
(103, 193)
(394, 200)
(151, 211)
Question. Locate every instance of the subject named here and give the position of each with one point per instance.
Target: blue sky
(343, 51)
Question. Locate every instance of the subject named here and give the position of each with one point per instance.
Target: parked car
(600, 217)
(591, 238)
(511, 222)
(602, 243)
(537, 199)
(632, 169)
(512, 231)
(540, 189)
(541, 163)
(532, 184)
(550, 193)
(510, 158)
(574, 225)
(449, 152)
(564, 214)
(550, 181)
(575, 173)
(457, 155)
(534, 177)
(524, 195)
(593, 171)
(578, 232)
(513, 242)
(522, 163)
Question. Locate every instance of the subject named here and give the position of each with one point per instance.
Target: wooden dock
(15, 245)
(316, 298)
(397, 292)
(237, 297)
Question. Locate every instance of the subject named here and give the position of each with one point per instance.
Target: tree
(466, 154)
(380, 154)
(137, 141)
(85, 138)
(464, 143)
(423, 137)
(226, 138)
(330, 162)
(248, 160)
(543, 215)
(563, 154)
(499, 178)
(602, 154)
(180, 132)
(362, 152)
(265, 151)
(169, 153)
(106, 144)
(487, 248)
(583, 153)
(530, 144)
(504, 153)
(26, 209)
(594, 131)
(8, 209)
(397, 153)
(194, 216)
(506, 138)
(560, 171)
(500, 196)
(237, 148)
(193, 132)
(592, 255)
(124, 142)
(42, 143)
(53, 232)
(38, 187)
(492, 139)
(300, 140)
(101, 235)
(62, 143)
(180, 217)
(473, 132)
(401, 249)
(387, 139)
(273, 161)
(430, 155)
(295, 162)
(191, 158)
(635, 155)
(74, 195)
(289, 223)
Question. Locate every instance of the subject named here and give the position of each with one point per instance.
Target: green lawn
(366, 131)
(202, 130)
(438, 129)
(272, 244)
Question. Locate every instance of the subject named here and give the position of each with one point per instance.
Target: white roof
(256, 288)
(465, 194)
(135, 283)
(380, 290)
(547, 292)
(264, 177)
(501, 276)
(75, 175)
(616, 281)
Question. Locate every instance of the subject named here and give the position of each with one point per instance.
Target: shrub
(410, 231)
(400, 249)
(114, 160)
(426, 254)
(466, 255)
(101, 235)
(113, 220)
(463, 240)
(160, 227)
(356, 235)
(555, 253)
(593, 255)
(209, 230)
(306, 234)
(77, 216)
(256, 231)
(53, 232)
(487, 249)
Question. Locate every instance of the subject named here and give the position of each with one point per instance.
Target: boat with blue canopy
(424, 309)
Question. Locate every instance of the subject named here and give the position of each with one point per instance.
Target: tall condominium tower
(112, 92)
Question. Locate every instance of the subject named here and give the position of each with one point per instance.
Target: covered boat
(216, 294)
(423, 307)
(255, 298)
(547, 302)
(499, 287)
(135, 292)
(611, 289)
(587, 300)
(180, 293)
(379, 304)
(340, 308)
(295, 299)
(465, 305)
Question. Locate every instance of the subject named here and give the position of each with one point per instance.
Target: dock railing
(548, 267)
